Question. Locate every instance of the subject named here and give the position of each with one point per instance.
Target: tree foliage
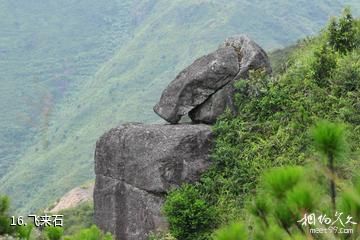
(286, 196)
(287, 211)
(5, 221)
(235, 231)
(189, 216)
(342, 33)
(54, 233)
(323, 65)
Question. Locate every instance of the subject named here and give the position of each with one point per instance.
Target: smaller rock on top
(196, 83)
(205, 88)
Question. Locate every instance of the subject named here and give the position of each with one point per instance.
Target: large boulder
(196, 83)
(136, 165)
(251, 57)
(206, 88)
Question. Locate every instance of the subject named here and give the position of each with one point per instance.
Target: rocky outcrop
(206, 88)
(136, 165)
(196, 83)
(251, 57)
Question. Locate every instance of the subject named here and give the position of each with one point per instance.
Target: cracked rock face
(136, 165)
(251, 56)
(204, 92)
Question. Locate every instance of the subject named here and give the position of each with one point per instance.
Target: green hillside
(161, 38)
(306, 115)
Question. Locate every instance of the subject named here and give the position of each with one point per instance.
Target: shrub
(54, 233)
(280, 180)
(5, 220)
(330, 140)
(235, 231)
(24, 232)
(347, 75)
(342, 33)
(323, 65)
(189, 216)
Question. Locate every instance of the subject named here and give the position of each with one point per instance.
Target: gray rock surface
(196, 83)
(136, 165)
(215, 105)
(251, 57)
(205, 91)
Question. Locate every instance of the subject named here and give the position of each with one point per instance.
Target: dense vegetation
(291, 202)
(288, 214)
(320, 80)
(54, 105)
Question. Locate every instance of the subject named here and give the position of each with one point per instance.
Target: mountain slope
(165, 38)
(47, 50)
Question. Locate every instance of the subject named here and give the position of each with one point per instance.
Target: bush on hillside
(342, 33)
(24, 232)
(235, 231)
(5, 220)
(189, 216)
(323, 65)
(54, 233)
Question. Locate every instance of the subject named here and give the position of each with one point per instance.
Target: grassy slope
(126, 87)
